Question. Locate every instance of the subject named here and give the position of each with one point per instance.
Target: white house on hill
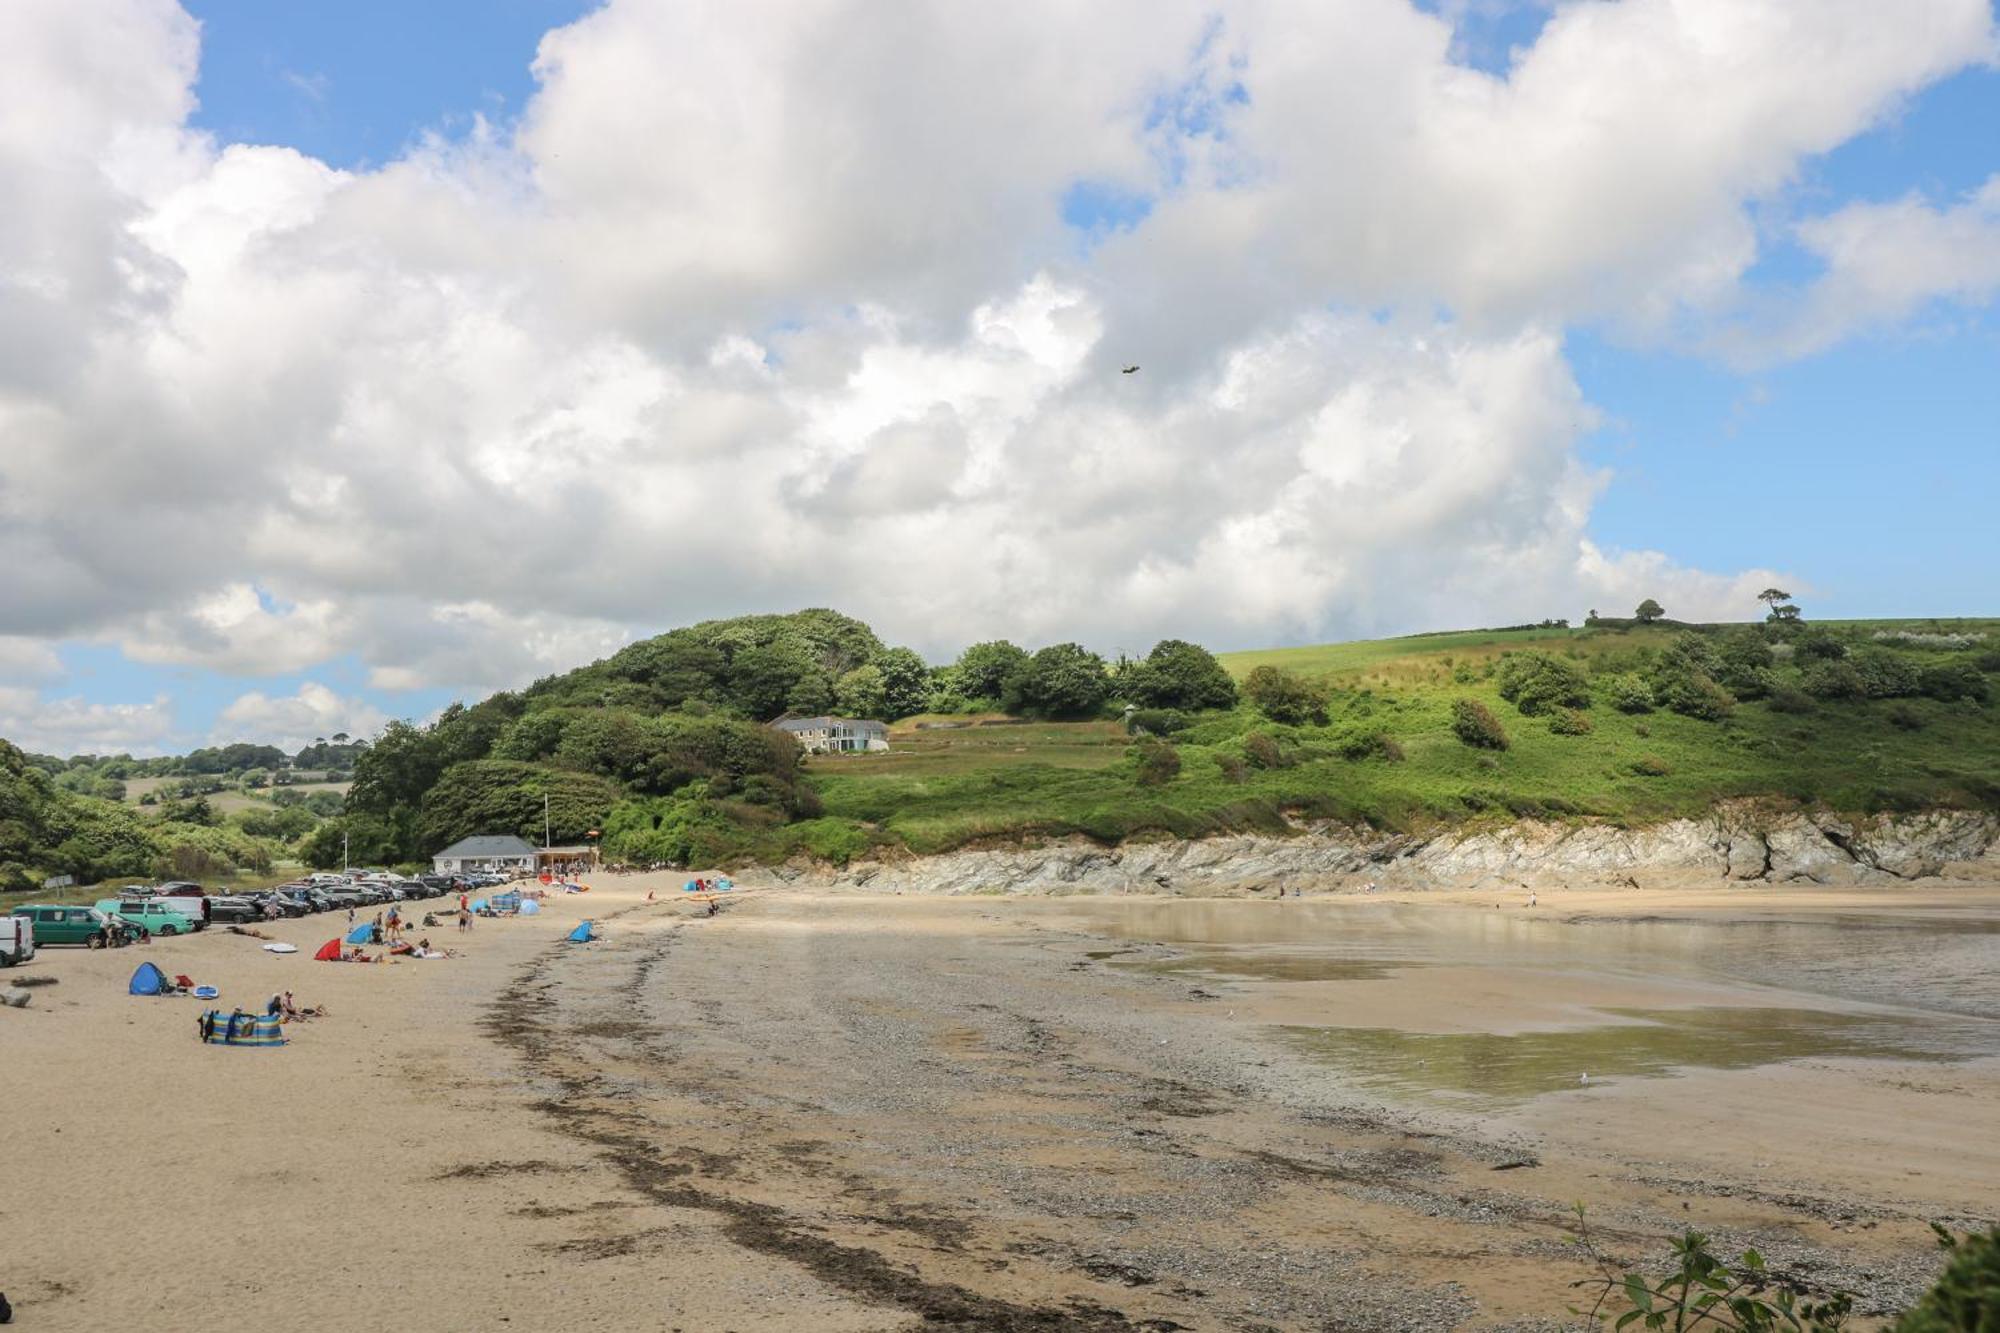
(835, 735)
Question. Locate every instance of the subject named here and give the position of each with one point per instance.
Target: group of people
(283, 1008)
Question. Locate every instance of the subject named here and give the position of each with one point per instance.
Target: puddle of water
(1948, 965)
(1252, 965)
(1488, 1070)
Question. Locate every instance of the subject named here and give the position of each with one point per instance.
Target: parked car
(237, 909)
(70, 925)
(155, 916)
(17, 939)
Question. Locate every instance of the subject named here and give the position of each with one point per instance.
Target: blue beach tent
(148, 980)
(581, 935)
(529, 907)
(362, 934)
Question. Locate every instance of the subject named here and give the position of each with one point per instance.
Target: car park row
(140, 912)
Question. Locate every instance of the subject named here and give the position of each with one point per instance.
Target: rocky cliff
(1738, 842)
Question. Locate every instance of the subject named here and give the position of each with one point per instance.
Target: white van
(193, 907)
(17, 940)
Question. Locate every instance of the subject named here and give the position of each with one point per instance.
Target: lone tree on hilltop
(1649, 611)
(1782, 611)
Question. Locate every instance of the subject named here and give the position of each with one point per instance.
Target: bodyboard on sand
(281, 948)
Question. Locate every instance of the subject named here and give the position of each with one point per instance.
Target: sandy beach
(852, 1111)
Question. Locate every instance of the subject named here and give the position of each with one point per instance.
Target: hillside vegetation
(662, 750)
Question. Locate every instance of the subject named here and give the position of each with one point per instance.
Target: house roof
(822, 723)
(488, 845)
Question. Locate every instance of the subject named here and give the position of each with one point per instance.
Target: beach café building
(508, 855)
(578, 860)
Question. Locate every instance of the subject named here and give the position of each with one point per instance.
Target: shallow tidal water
(1916, 987)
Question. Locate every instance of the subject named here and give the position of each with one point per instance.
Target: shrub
(1819, 646)
(1786, 699)
(1628, 694)
(1263, 751)
(1695, 695)
(1159, 763)
(1905, 718)
(1884, 675)
(1953, 680)
(1989, 662)
(1156, 722)
(1232, 767)
(1474, 724)
(1651, 766)
(1538, 683)
(1827, 679)
(1966, 1295)
(1371, 745)
(1684, 679)
(1284, 697)
(1570, 722)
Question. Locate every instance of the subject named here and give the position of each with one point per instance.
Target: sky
(359, 357)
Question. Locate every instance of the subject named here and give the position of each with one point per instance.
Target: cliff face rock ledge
(1737, 842)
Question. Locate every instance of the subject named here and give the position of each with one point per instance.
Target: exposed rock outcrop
(1741, 841)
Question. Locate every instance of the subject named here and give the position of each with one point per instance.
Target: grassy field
(943, 789)
(224, 802)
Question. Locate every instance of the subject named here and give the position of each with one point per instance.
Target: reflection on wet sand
(1493, 1069)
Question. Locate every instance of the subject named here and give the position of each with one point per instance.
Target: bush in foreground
(1537, 683)
(1474, 724)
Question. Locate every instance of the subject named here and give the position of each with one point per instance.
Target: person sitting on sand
(287, 1008)
(275, 1007)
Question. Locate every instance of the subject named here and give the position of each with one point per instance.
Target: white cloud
(238, 630)
(1883, 262)
(27, 661)
(71, 726)
(772, 305)
(292, 721)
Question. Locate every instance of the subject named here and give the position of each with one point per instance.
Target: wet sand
(867, 1112)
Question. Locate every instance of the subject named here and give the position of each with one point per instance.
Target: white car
(17, 940)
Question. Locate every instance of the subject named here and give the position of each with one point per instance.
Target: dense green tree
(813, 695)
(501, 796)
(396, 771)
(533, 736)
(906, 680)
(1063, 680)
(608, 742)
(761, 678)
(1649, 611)
(862, 692)
(984, 668)
(1177, 674)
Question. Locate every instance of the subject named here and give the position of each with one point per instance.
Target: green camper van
(67, 925)
(152, 915)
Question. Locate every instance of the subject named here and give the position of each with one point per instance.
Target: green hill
(662, 749)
